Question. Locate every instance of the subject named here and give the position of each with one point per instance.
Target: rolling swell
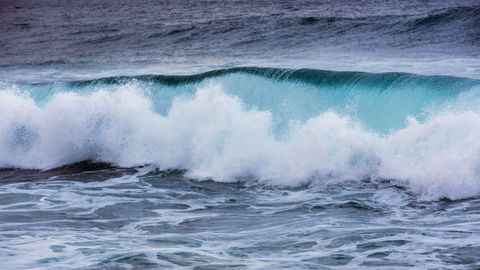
(469, 13)
(310, 76)
(282, 32)
(277, 126)
(441, 30)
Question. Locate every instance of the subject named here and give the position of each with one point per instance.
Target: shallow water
(92, 217)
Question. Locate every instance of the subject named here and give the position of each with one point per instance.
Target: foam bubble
(213, 135)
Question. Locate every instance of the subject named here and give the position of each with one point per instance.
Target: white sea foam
(213, 136)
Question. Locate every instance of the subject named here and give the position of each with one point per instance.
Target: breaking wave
(279, 127)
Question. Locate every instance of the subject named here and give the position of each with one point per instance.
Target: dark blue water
(69, 39)
(239, 134)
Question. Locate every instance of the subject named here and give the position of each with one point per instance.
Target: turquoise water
(239, 134)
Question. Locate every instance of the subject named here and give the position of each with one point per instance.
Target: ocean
(239, 134)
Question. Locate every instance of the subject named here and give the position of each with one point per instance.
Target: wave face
(280, 127)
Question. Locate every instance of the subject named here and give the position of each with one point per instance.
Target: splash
(214, 134)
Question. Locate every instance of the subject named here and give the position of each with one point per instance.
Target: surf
(275, 126)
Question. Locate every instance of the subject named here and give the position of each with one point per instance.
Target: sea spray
(214, 134)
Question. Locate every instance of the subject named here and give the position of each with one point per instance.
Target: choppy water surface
(52, 40)
(102, 217)
(239, 134)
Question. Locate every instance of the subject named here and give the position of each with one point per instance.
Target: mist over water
(239, 135)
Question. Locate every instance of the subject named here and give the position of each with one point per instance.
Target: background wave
(139, 38)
